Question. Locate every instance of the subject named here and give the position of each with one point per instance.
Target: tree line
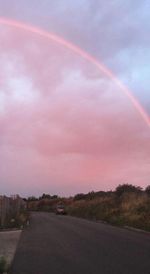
(120, 190)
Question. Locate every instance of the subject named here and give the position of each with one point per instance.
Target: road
(66, 245)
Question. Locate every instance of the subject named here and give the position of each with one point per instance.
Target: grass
(17, 220)
(131, 209)
(3, 265)
(128, 205)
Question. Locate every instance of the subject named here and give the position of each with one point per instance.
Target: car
(60, 209)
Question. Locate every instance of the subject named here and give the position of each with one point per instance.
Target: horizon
(71, 195)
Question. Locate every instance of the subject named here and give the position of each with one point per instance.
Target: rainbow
(83, 54)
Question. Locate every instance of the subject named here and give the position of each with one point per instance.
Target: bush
(147, 190)
(79, 196)
(131, 207)
(127, 188)
(3, 265)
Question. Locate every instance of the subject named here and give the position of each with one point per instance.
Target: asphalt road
(65, 245)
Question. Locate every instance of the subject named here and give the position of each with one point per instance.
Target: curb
(10, 230)
(137, 230)
(113, 225)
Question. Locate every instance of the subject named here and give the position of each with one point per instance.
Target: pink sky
(64, 126)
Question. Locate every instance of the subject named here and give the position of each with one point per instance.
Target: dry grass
(127, 205)
(131, 209)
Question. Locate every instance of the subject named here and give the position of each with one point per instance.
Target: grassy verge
(16, 221)
(3, 265)
(131, 209)
(127, 205)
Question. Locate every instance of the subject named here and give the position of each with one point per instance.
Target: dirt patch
(8, 244)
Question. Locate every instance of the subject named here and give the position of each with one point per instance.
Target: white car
(60, 209)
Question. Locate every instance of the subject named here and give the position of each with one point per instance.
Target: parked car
(60, 209)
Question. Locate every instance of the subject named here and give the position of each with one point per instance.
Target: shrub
(147, 190)
(3, 265)
(79, 196)
(126, 188)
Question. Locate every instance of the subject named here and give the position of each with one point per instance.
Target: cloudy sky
(65, 126)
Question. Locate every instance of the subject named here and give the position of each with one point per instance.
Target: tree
(79, 196)
(47, 196)
(147, 189)
(54, 197)
(32, 198)
(44, 196)
(127, 188)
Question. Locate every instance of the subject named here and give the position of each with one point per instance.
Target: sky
(65, 126)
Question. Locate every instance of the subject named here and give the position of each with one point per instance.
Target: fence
(10, 206)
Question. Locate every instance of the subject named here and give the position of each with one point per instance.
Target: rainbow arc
(102, 68)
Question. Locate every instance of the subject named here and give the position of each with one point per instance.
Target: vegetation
(19, 220)
(128, 205)
(147, 190)
(16, 220)
(127, 188)
(3, 265)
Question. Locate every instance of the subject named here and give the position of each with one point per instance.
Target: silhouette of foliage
(147, 189)
(127, 188)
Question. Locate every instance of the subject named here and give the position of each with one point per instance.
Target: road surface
(56, 244)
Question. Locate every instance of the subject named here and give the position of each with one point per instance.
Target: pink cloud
(64, 127)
